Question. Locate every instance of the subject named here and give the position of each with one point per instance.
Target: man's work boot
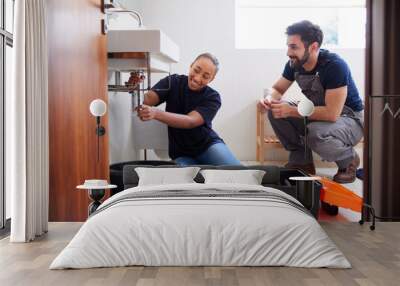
(348, 175)
(307, 168)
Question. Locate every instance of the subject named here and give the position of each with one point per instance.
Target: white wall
(209, 25)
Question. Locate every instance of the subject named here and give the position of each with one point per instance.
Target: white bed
(185, 230)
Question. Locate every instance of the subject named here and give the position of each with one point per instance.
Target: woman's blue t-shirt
(182, 100)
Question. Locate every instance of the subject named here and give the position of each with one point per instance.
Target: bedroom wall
(198, 26)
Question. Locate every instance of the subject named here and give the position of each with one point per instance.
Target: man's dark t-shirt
(181, 100)
(334, 73)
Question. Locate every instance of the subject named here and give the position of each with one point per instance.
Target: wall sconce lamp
(98, 108)
(305, 109)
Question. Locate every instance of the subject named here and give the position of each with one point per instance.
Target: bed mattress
(201, 225)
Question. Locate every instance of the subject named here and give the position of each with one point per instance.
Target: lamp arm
(305, 137)
(100, 130)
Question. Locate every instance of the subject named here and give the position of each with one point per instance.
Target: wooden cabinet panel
(77, 74)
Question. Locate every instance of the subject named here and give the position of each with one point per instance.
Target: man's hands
(146, 113)
(280, 109)
(271, 95)
(264, 105)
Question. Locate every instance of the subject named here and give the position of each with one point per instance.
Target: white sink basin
(163, 51)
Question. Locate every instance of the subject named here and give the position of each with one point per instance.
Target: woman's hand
(146, 112)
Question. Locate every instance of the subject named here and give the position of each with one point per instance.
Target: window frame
(6, 39)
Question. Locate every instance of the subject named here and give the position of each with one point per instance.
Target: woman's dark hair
(308, 32)
(211, 57)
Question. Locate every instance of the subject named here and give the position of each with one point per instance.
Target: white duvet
(200, 231)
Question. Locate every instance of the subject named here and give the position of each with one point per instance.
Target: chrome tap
(110, 8)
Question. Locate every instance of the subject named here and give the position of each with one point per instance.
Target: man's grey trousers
(332, 141)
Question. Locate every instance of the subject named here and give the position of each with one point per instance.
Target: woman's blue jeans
(216, 154)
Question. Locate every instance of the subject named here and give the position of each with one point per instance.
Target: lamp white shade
(98, 107)
(305, 107)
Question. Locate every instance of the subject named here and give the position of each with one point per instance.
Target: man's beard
(299, 63)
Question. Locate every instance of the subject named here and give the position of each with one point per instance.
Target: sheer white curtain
(27, 149)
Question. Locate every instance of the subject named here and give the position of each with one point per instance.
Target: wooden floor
(374, 255)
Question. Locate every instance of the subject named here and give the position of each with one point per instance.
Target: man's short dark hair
(308, 32)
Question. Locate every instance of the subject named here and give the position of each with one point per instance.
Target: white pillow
(248, 177)
(164, 176)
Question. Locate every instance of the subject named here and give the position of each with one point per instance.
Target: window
(9, 15)
(261, 24)
(6, 44)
